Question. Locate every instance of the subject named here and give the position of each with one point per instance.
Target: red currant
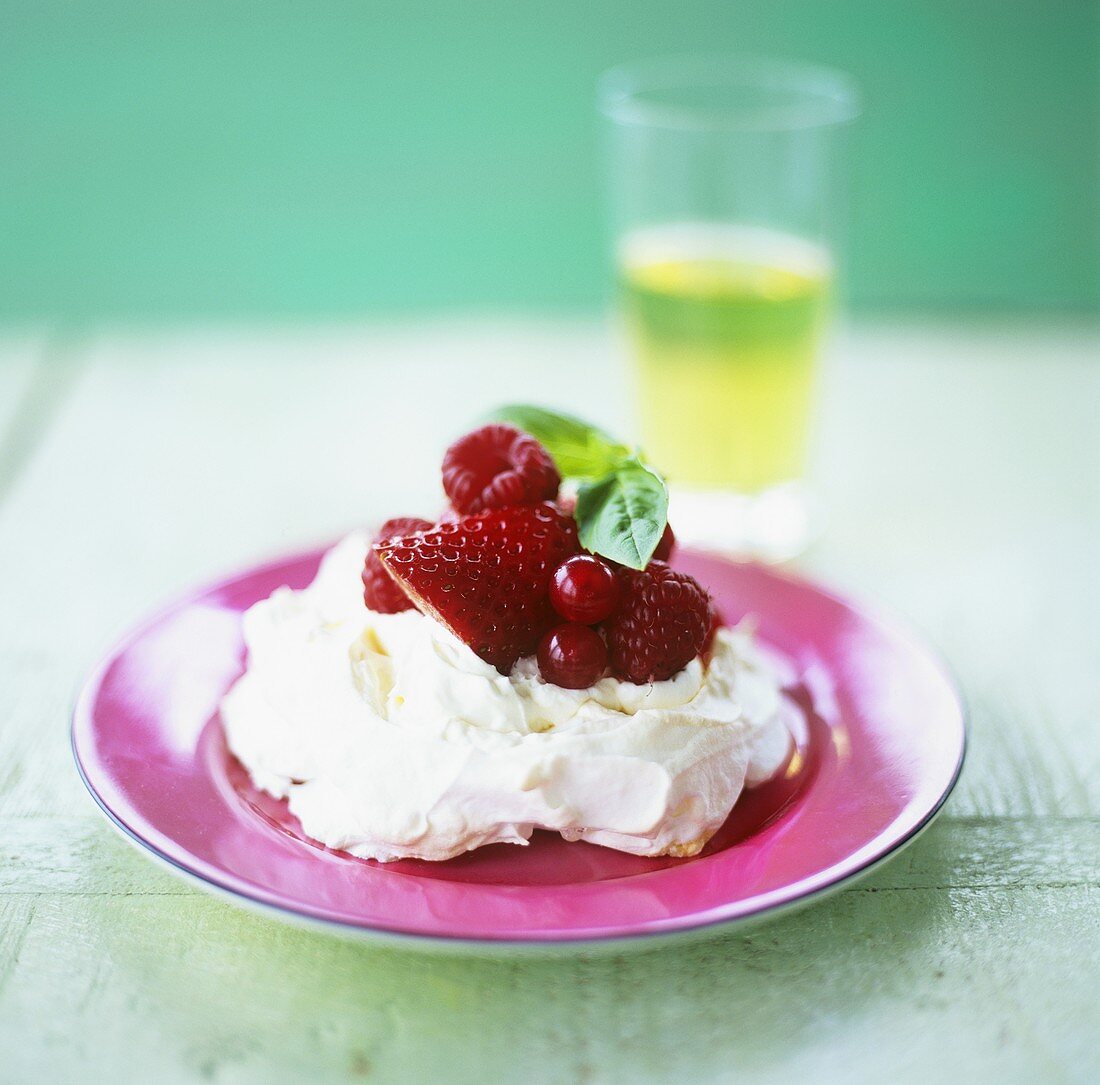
(665, 545)
(584, 589)
(572, 656)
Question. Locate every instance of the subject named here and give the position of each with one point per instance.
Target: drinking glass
(725, 210)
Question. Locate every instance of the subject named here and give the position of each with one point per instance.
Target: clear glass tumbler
(725, 204)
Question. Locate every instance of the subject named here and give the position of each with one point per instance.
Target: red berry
(380, 591)
(573, 656)
(486, 577)
(584, 589)
(496, 466)
(663, 622)
(665, 545)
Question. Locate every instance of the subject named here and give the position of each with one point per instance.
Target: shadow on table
(263, 1001)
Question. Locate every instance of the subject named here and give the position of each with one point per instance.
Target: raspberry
(496, 466)
(572, 656)
(486, 576)
(380, 591)
(663, 622)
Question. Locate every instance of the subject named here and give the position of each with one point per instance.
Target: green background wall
(186, 159)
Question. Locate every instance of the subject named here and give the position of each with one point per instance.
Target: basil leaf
(622, 505)
(578, 449)
(623, 515)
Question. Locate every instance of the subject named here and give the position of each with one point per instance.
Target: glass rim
(820, 96)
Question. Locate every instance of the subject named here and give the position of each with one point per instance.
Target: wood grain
(961, 470)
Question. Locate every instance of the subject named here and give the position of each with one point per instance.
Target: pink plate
(880, 748)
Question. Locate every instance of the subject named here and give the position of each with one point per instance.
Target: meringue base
(390, 739)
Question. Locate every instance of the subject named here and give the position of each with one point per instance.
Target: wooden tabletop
(961, 469)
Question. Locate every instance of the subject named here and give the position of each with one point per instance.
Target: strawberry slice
(486, 577)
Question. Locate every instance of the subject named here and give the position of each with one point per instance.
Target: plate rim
(677, 928)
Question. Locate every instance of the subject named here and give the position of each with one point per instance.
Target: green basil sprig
(622, 503)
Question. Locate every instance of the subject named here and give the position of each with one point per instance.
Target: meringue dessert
(390, 739)
(423, 729)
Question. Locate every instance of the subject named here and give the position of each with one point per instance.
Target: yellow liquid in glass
(726, 324)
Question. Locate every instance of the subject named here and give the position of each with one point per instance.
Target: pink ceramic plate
(880, 749)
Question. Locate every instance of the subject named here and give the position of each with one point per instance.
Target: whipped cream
(390, 739)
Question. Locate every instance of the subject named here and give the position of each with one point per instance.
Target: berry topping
(486, 577)
(584, 589)
(665, 545)
(496, 466)
(573, 656)
(663, 622)
(380, 591)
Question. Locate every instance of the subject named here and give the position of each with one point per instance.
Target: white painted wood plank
(24, 356)
(20, 354)
(925, 985)
(37, 776)
(961, 471)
